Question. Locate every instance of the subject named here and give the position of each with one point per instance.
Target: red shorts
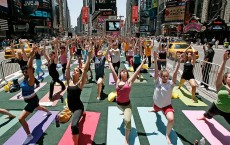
(166, 109)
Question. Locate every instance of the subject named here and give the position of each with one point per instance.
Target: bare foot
(201, 118)
(11, 117)
(152, 110)
(99, 98)
(194, 101)
(168, 139)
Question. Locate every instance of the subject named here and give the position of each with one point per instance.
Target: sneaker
(28, 139)
(47, 114)
(98, 98)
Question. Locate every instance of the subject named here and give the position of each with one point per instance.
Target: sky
(76, 5)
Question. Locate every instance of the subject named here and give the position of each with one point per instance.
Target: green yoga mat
(138, 80)
(185, 96)
(6, 124)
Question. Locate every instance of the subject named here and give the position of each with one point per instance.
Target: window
(181, 46)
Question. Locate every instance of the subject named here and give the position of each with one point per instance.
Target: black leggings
(63, 69)
(116, 66)
(213, 110)
(149, 61)
(75, 121)
(52, 83)
(36, 81)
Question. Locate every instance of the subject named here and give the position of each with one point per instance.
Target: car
(9, 54)
(179, 47)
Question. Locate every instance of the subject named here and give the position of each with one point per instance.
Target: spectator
(216, 44)
(206, 66)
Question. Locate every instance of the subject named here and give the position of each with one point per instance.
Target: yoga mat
(151, 68)
(155, 127)
(138, 80)
(42, 77)
(116, 130)
(87, 128)
(37, 124)
(126, 66)
(214, 132)
(152, 74)
(111, 80)
(6, 124)
(185, 96)
(45, 100)
(19, 95)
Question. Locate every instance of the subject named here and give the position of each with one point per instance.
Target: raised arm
(112, 70)
(156, 75)
(56, 53)
(174, 79)
(44, 53)
(25, 58)
(134, 76)
(12, 49)
(30, 70)
(67, 73)
(193, 56)
(85, 69)
(220, 73)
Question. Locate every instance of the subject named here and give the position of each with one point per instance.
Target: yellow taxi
(179, 47)
(9, 54)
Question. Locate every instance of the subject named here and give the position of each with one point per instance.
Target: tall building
(3, 20)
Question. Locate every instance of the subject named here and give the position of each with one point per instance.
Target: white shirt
(163, 93)
(115, 55)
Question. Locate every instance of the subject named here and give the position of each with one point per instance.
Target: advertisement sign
(108, 13)
(3, 3)
(85, 13)
(153, 13)
(175, 3)
(134, 14)
(174, 14)
(42, 14)
(112, 25)
(192, 27)
(145, 13)
(122, 23)
(29, 6)
(3, 24)
(154, 25)
(154, 3)
(105, 5)
(144, 28)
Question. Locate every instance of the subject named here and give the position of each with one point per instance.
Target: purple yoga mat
(19, 95)
(37, 124)
(111, 80)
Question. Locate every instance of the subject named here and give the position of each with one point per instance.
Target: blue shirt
(26, 88)
(137, 59)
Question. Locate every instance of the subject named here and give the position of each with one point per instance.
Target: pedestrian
(63, 51)
(148, 50)
(114, 53)
(52, 67)
(222, 105)
(216, 44)
(38, 55)
(206, 64)
(163, 94)
(75, 87)
(137, 56)
(30, 97)
(123, 88)
(189, 59)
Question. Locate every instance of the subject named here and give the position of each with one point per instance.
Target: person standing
(163, 94)
(74, 89)
(148, 50)
(207, 66)
(38, 55)
(30, 97)
(216, 44)
(52, 67)
(123, 88)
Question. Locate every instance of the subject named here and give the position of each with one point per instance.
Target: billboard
(105, 5)
(3, 3)
(144, 28)
(175, 14)
(112, 25)
(85, 13)
(134, 14)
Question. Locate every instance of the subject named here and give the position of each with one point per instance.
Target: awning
(192, 27)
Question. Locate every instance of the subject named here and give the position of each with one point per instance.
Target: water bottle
(57, 121)
(202, 141)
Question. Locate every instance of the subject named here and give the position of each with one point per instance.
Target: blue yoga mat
(6, 124)
(37, 124)
(155, 127)
(116, 130)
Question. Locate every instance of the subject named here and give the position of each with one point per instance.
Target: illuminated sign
(217, 22)
(43, 14)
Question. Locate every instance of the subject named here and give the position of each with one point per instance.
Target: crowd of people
(137, 52)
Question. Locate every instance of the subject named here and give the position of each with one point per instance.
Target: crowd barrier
(9, 67)
(204, 72)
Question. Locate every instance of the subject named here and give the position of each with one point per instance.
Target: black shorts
(31, 104)
(135, 66)
(188, 76)
(97, 77)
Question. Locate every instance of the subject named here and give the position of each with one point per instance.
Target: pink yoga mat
(87, 127)
(214, 132)
(45, 100)
(111, 80)
(19, 95)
